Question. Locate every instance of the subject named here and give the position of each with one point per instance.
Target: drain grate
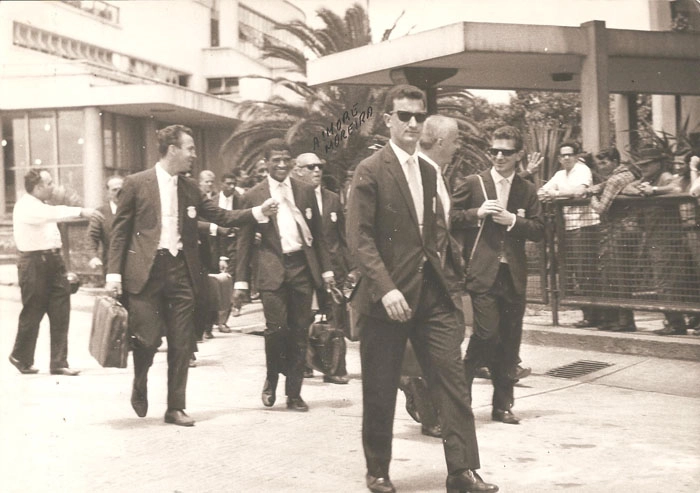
(577, 369)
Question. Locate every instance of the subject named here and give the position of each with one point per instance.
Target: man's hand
(534, 161)
(645, 189)
(545, 195)
(114, 289)
(504, 218)
(488, 208)
(269, 207)
(239, 297)
(396, 306)
(328, 283)
(95, 262)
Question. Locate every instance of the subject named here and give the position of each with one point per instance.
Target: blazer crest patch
(309, 214)
(191, 212)
(334, 217)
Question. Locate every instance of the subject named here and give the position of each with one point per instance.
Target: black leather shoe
(297, 404)
(224, 329)
(483, 372)
(519, 372)
(506, 416)
(623, 328)
(178, 417)
(380, 485)
(208, 335)
(308, 373)
(431, 431)
(468, 481)
(23, 369)
(268, 393)
(582, 324)
(669, 330)
(139, 401)
(65, 371)
(337, 379)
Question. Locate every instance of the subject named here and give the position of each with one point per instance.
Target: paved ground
(633, 426)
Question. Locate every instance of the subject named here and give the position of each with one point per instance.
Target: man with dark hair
(403, 294)
(498, 211)
(293, 260)
(153, 254)
(100, 226)
(42, 273)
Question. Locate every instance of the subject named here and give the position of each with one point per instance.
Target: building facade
(84, 85)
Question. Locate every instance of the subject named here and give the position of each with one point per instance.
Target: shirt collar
(497, 177)
(163, 175)
(274, 184)
(402, 155)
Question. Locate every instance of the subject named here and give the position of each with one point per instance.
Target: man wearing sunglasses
(497, 211)
(309, 168)
(403, 294)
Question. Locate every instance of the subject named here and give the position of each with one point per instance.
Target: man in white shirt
(42, 273)
(581, 224)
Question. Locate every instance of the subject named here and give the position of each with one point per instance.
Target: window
(222, 85)
(122, 144)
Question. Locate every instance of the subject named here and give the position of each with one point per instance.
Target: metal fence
(643, 255)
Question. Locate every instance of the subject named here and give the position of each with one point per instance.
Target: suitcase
(109, 341)
(326, 348)
(220, 292)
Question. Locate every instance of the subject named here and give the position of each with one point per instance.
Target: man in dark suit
(293, 260)
(496, 221)
(100, 226)
(309, 168)
(153, 255)
(403, 294)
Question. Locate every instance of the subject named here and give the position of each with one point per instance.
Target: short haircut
(275, 145)
(402, 91)
(509, 133)
(31, 179)
(111, 178)
(572, 144)
(171, 136)
(609, 153)
(436, 126)
(206, 173)
(227, 176)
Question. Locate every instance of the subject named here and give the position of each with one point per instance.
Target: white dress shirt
(412, 174)
(167, 188)
(441, 188)
(289, 233)
(225, 203)
(319, 199)
(34, 223)
(570, 182)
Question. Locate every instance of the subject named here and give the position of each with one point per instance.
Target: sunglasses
(405, 116)
(506, 152)
(313, 166)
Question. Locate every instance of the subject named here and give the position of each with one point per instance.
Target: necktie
(444, 197)
(174, 213)
(416, 187)
(503, 192)
(298, 217)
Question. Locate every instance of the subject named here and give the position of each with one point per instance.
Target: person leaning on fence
(661, 226)
(619, 239)
(42, 274)
(100, 227)
(581, 225)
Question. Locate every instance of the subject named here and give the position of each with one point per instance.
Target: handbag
(326, 347)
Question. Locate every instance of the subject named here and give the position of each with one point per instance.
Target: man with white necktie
(293, 261)
(403, 294)
(497, 211)
(153, 258)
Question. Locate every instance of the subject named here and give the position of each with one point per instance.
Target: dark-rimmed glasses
(405, 116)
(506, 152)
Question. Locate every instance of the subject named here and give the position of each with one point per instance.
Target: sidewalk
(632, 426)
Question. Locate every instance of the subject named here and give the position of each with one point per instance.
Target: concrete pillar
(150, 143)
(93, 162)
(228, 24)
(2, 171)
(624, 123)
(595, 110)
(663, 114)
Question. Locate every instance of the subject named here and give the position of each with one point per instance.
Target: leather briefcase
(109, 340)
(326, 347)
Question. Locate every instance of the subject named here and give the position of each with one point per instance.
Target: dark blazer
(383, 233)
(270, 265)
(529, 225)
(137, 226)
(99, 231)
(333, 219)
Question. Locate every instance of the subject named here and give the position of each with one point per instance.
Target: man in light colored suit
(153, 258)
(293, 260)
(496, 220)
(391, 231)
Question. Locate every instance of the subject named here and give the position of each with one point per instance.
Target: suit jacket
(333, 220)
(383, 232)
(529, 225)
(99, 231)
(137, 226)
(270, 265)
